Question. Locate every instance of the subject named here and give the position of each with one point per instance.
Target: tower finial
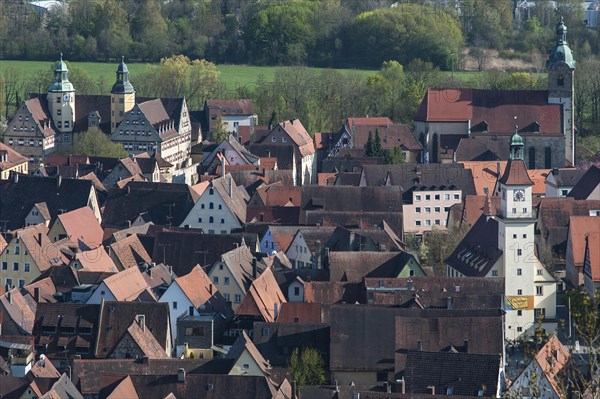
(61, 55)
(123, 59)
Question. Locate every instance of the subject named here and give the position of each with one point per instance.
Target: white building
(503, 246)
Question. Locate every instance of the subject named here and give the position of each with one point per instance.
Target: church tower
(122, 96)
(61, 102)
(561, 69)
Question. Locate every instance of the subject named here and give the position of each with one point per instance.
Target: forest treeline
(324, 33)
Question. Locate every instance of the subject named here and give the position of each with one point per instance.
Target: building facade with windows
(503, 246)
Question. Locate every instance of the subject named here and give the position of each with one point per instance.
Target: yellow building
(11, 161)
(28, 253)
(122, 96)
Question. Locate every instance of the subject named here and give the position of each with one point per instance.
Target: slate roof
(115, 318)
(71, 315)
(586, 184)
(354, 266)
(479, 148)
(165, 203)
(18, 198)
(478, 251)
(567, 176)
(492, 106)
(452, 373)
(263, 299)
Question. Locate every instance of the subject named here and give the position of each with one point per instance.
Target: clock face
(66, 97)
(519, 195)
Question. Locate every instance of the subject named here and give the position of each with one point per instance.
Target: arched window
(548, 158)
(531, 158)
(211, 191)
(560, 80)
(222, 221)
(211, 206)
(211, 220)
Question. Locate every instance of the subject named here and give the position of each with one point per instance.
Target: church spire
(561, 52)
(122, 84)
(516, 145)
(60, 82)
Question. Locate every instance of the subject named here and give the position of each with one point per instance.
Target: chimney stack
(58, 181)
(318, 254)
(402, 385)
(36, 294)
(181, 375)
(9, 294)
(222, 164)
(293, 389)
(142, 321)
(210, 289)
(254, 268)
(466, 345)
(419, 345)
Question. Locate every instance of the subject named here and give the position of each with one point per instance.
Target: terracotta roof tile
(19, 309)
(579, 227)
(264, 298)
(13, 158)
(473, 207)
(516, 173)
(39, 111)
(492, 106)
(232, 106)
(299, 136)
(146, 341)
(125, 390)
(82, 227)
(197, 286)
(391, 136)
(300, 312)
(593, 254)
(130, 252)
(552, 358)
(379, 121)
(126, 285)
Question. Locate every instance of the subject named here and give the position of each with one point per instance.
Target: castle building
(502, 246)
(46, 122)
(460, 124)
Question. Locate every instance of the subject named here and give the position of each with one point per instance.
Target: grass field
(232, 76)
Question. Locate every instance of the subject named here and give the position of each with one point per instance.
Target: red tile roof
(300, 312)
(579, 228)
(379, 121)
(516, 173)
(197, 286)
(264, 298)
(124, 390)
(13, 158)
(126, 285)
(299, 136)
(41, 116)
(146, 341)
(593, 253)
(82, 226)
(232, 106)
(130, 252)
(496, 107)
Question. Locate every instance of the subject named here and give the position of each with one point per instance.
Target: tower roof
(516, 174)
(122, 84)
(60, 82)
(561, 52)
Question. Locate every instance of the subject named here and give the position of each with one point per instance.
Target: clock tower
(122, 96)
(61, 102)
(561, 70)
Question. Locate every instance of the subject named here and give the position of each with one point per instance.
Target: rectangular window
(427, 197)
(418, 209)
(4, 265)
(427, 209)
(495, 273)
(238, 298)
(514, 210)
(519, 252)
(273, 139)
(226, 296)
(539, 312)
(21, 283)
(514, 236)
(226, 281)
(519, 292)
(437, 209)
(437, 222)
(519, 272)
(446, 197)
(540, 272)
(417, 197)
(296, 291)
(437, 197)
(539, 290)
(428, 222)
(174, 305)
(27, 266)
(16, 266)
(417, 222)
(519, 329)
(456, 196)
(524, 235)
(519, 313)
(216, 280)
(524, 210)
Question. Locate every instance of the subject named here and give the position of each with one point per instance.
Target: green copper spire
(61, 83)
(561, 52)
(516, 145)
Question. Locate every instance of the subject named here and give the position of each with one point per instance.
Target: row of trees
(330, 33)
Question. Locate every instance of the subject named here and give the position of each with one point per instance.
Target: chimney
(409, 284)
(466, 345)
(254, 268)
(58, 181)
(318, 254)
(230, 186)
(387, 387)
(142, 321)
(210, 289)
(449, 303)
(431, 390)
(293, 389)
(555, 171)
(181, 375)
(9, 294)
(402, 385)
(222, 164)
(191, 311)
(268, 153)
(39, 239)
(326, 258)
(36, 294)
(276, 311)
(498, 169)
(419, 345)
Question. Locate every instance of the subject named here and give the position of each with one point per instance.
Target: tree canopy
(93, 142)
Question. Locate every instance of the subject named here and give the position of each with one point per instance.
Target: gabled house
(39, 215)
(11, 161)
(354, 266)
(263, 300)
(247, 359)
(127, 285)
(228, 152)
(21, 194)
(331, 143)
(277, 238)
(28, 253)
(127, 168)
(18, 312)
(220, 209)
(591, 264)
(129, 252)
(234, 272)
(133, 330)
(306, 248)
(588, 186)
(293, 132)
(232, 113)
(541, 377)
(579, 228)
(79, 226)
(194, 295)
(561, 181)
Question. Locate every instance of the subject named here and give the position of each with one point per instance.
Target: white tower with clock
(530, 290)
(61, 103)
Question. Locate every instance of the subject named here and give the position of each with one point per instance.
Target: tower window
(560, 80)
(121, 100)
(548, 158)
